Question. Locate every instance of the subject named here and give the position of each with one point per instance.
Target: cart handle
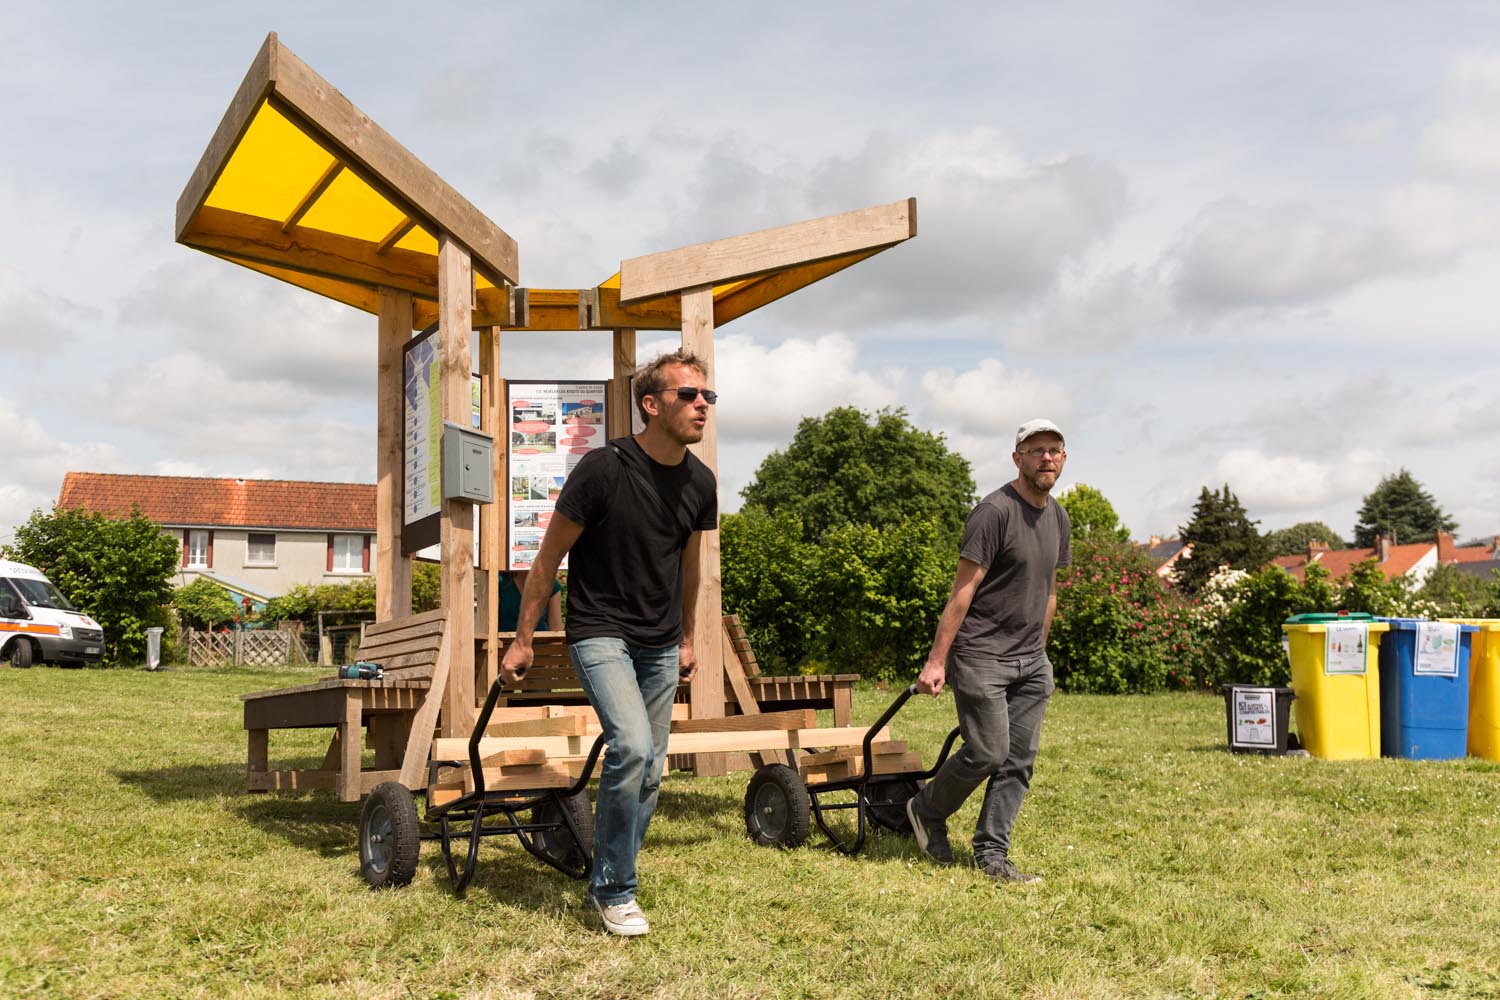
(880, 723)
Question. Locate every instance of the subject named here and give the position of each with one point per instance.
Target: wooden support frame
(392, 569)
(456, 522)
(739, 257)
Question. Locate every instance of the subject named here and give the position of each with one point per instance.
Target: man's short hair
(650, 378)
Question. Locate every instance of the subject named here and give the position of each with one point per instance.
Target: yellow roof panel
(273, 168)
(353, 208)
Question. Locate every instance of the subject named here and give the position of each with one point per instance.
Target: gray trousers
(1000, 707)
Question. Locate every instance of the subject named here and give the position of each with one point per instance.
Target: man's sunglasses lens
(688, 393)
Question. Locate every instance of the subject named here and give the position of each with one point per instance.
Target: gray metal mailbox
(468, 464)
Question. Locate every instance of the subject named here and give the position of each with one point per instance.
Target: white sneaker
(624, 919)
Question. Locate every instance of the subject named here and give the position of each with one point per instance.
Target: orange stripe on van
(32, 629)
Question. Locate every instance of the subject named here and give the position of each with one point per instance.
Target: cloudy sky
(1242, 243)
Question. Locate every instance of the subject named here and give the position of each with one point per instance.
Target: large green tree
(852, 467)
(117, 570)
(1401, 510)
(1221, 534)
(1092, 516)
(843, 554)
(205, 604)
(1294, 541)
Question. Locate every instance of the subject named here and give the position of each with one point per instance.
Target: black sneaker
(1004, 870)
(932, 838)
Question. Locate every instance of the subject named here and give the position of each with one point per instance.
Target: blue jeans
(631, 688)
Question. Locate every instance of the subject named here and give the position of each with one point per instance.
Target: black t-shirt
(625, 570)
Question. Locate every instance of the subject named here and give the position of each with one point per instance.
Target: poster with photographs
(552, 426)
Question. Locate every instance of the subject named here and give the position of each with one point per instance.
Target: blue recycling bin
(1424, 692)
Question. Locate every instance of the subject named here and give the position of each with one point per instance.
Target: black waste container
(1258, 718)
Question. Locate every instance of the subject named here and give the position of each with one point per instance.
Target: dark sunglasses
(688, 393)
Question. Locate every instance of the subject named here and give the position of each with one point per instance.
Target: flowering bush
(1118, 628)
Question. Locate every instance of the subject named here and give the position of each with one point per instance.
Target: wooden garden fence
(253, 648)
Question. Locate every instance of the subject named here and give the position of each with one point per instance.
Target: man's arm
(687, 655)
(965, 584)
(560, 536)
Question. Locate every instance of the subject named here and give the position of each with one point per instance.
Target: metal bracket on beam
(520, 307)
(588, 308)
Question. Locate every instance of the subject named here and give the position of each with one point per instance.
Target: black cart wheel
(21, 653)
(389, 839)
(776, 807)
(558, 846)
(886, 801)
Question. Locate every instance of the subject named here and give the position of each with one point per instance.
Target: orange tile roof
(1473, 553)
(1338, 562)
(225, 503)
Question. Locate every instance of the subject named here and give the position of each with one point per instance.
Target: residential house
(1414, 560)
(1164, 554)
(257, 538)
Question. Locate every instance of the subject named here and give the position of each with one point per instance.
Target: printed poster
(552, 426)
(1254, 717)
(423, 431)
(1346, 644)
(1437, 649)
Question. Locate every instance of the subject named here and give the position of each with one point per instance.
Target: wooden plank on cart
(797, 718)
(559, 725)
(453, 782)
(457, 748)
(850, 753)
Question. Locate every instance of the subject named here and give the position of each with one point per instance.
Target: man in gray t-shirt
(991, 645)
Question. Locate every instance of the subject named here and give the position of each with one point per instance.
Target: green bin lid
(1324, 617)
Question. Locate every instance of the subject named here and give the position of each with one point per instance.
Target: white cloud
(1279, 487)
(32, 321)
(1462, 140)
(35, 460)
(978, 410)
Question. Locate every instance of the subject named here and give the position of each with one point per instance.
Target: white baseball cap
(1041, 425)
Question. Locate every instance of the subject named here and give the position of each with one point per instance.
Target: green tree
(1221, 534)
(1294, 541)
(1457, 594)
(764, 568)
(205, 604)
(117, 570)
(1401, 510)
(849, 467)
(1091, 514)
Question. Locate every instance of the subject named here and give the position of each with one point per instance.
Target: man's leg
(979, 697)
(1027, 699)
(657, 680)
(608, 676)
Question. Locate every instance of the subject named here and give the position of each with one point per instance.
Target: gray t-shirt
(1020, 548)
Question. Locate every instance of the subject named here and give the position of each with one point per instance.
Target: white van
(39, 625)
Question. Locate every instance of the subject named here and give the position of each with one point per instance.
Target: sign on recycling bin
(1255, 717)
(1344, 648)
(1437, 649)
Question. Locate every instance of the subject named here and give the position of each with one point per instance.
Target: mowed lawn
(137, 867)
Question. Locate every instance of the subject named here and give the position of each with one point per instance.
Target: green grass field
(1173, 869)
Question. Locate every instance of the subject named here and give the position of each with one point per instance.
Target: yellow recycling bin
(1336, 677)
(1484, 687)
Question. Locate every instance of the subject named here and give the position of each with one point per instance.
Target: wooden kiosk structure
(299, 184)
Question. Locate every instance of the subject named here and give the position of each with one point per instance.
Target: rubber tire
(22, 654)
(559, 845)
(777, 810)
(389, 837)
(887, 805)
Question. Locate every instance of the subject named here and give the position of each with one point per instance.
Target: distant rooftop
(185, 501)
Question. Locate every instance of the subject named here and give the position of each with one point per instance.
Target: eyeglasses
(688, 393)
(1057, 452)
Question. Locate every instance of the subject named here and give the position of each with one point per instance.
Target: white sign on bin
(1437, 649)
(1345, 644)
(1255, 717)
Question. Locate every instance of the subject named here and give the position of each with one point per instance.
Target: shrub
(205, 604)
(1117, 628)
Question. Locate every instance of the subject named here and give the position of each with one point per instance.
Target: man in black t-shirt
(991, 644)
(630, 518)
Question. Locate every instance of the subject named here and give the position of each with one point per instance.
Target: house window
(199, 549)
(260, 549)
(347, 553)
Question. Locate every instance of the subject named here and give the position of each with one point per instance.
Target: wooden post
(706, 694)
(392, 569)
(456, 533)
(620, 403)
(492, 516)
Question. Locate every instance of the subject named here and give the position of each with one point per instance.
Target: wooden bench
(407, 649)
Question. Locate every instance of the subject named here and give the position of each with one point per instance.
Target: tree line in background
(841, 560)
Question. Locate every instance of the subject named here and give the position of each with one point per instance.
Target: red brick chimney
(1382, 549)
(1445, 552)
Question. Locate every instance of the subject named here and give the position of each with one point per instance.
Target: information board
(553, 425)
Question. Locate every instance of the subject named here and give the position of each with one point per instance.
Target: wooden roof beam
(740, 257)
(276, 73)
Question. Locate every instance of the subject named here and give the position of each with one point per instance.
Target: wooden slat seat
(407, 649)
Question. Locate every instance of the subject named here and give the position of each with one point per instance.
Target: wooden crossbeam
(457, 748)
